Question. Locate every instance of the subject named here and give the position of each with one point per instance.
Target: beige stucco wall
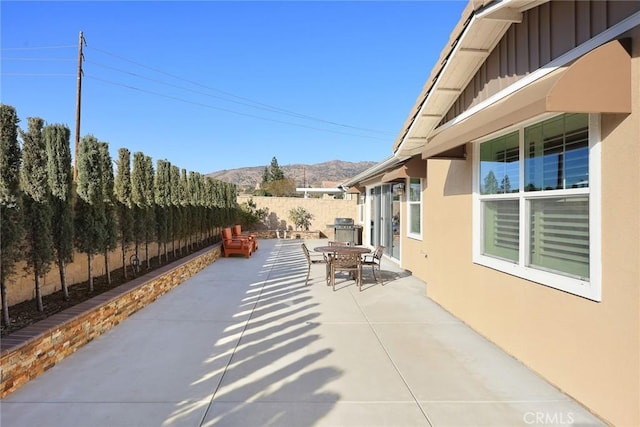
(20, 286)
(590, 350)
(324, 211)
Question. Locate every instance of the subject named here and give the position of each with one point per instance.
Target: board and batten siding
(543, 35)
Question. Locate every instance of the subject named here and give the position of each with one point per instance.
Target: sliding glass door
(385, 219)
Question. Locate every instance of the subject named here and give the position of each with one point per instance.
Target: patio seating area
(236, 245)
(246, 343)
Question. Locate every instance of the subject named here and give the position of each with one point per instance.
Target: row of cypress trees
(45, 216)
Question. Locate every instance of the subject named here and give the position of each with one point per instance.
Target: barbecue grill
(345, 230)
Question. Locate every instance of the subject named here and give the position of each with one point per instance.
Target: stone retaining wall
(29, 352)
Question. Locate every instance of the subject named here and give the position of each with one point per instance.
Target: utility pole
(81, 41)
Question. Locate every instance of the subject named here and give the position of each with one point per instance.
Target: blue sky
(212, 85)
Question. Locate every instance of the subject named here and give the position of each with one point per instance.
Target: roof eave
(376, 169)
(482, 25)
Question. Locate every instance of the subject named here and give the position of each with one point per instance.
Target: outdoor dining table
(341, 249)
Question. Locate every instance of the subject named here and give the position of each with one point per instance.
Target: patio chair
(235, 245)
(237, 232)
(311, 260)
(374, 259)
(327, 256)
(350, 262)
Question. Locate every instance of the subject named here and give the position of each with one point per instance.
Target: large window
(535, 203)
(414, 208)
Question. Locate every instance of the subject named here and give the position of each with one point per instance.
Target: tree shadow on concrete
(269, 377)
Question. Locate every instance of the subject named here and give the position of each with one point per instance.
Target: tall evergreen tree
(138, 199)
(89, 208)
(175, 222)
(162, 201)
(265, 177)
(11, 213)
(275, 173)
(185, 215)
(60, 174)
(233, 199)
(174, 203)
(209, 201)
(142, 195)
(37, 209)
(274, 183)
(216, 204)
(229, 201)
(169, 211)
(149, 212)
(194, 217)
(195, 182)
(124, 213)
(110, 237)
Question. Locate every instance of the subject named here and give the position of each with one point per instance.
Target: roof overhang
(392, 169)
(396, 175)
(598, 82)
(356, 189)
(413, 168)
(482, 25)
(373, 172)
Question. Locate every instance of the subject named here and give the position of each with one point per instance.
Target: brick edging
(29, 352)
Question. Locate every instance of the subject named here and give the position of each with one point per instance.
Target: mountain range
(314, 175)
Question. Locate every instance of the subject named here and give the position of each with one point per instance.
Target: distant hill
(312, 175)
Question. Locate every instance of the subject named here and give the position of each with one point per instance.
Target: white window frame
(410, 203)
(591, 288)
(361, 202)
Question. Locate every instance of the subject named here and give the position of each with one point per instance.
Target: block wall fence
(324, 211)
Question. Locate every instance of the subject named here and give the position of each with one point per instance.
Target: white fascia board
(374, 170)
(476, 17)
(319, 190)
(436, 84)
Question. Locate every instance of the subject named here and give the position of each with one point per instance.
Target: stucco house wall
(589, 345)
(589, 349)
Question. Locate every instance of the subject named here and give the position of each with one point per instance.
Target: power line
(227, 95)
(35, 59)
(251, 101)
(271, 109)
(227, 110)
(38, 47)
(37, 75)
(180, 87)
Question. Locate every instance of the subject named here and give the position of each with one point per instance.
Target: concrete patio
(246, 343)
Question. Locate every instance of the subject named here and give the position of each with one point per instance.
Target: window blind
(559, 239)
